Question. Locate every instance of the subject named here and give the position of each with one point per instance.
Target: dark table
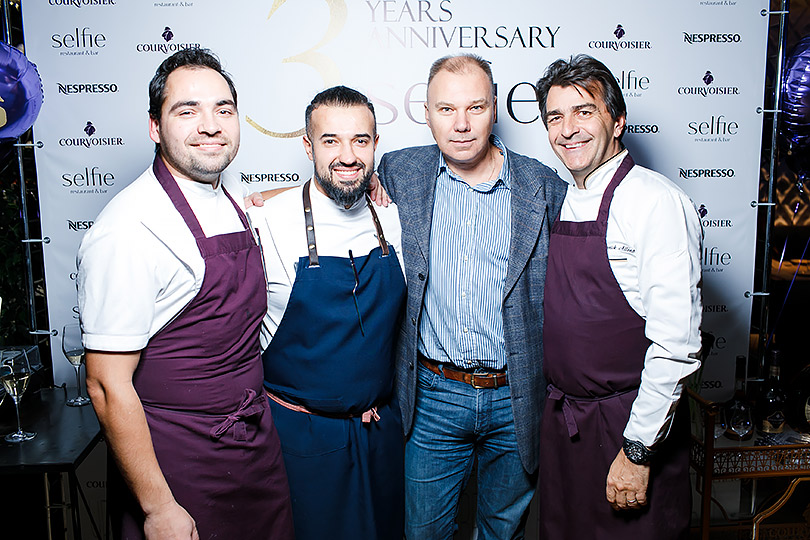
(65, 437)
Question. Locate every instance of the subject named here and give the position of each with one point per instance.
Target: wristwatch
(636, 452)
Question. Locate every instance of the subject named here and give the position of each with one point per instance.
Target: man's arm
(667, 241)
(121, 415)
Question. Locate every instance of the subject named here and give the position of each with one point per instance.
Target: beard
(340, 193)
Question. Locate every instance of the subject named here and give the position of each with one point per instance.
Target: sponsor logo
(90, 88)
(619, 43)
(250, 178)
(90, 130)
(631, 83)
(79, 42)
(73, 276)
(167, 46)
(706, 173)
(707, 89)
(641, 128)
(89, 181)
(715, 3)
(714, 260)
(716, 129)
(709, 223)
(79, 226)
(711, 38)
(715, 308)
(81, 3)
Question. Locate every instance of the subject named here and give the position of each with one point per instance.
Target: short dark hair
(587, 73)
(338, 96)
(460, 63)
(193, 58)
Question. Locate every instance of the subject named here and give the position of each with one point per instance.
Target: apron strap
(618, 176)
(555, 394)
(250, 406)
(312, 246)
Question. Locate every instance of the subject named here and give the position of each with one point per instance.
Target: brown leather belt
(476, 380)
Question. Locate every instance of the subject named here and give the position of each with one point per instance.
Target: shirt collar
(503, 175)
(603, 172)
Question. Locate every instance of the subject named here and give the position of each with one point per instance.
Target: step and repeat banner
(692, 73)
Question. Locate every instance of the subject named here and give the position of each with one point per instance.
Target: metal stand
(27, 240)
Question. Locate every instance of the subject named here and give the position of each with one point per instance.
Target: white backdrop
(692, 72)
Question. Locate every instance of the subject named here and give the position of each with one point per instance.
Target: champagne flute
(74, 352)
(14, 374)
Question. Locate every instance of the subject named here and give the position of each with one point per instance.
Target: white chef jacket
(139, 264)
(654, 238)
(282, 231)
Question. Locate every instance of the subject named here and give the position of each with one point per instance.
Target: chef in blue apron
(622, 325)
(336, 291)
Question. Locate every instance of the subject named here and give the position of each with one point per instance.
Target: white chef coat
(654, 238)
(139, 264)
(282, 231)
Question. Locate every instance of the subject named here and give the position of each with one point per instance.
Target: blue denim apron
(330, 361)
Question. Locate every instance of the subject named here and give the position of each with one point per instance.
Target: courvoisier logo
(622, 42)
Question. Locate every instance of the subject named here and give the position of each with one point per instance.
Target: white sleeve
(117, 286)
(668, 242)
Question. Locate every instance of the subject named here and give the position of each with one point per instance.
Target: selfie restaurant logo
(166, 46)
(79, 42)
(90, 181)
(620, 43)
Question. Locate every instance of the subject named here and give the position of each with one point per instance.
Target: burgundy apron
(200, 382)
(594, 346)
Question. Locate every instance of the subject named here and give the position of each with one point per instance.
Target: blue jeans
(455, 423)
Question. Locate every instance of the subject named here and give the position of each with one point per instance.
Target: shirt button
(464, 294)
(466, 329)
(421, 277)
(466, 258)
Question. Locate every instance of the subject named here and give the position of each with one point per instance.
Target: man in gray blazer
(475, 227)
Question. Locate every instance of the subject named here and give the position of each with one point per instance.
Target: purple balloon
(20, 93)
(796, 97)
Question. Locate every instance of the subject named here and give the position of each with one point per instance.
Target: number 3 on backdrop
(321, 63)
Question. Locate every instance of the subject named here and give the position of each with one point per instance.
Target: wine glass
(14, 373)
(74, 352)
(739, 421)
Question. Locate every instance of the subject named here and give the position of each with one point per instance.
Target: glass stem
(78, 382)
(17, 408)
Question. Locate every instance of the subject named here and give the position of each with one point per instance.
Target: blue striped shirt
(462, 314)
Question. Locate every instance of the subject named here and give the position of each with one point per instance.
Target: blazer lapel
(528, 212)
(423, 196)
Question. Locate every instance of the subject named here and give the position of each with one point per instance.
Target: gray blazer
(409, 176)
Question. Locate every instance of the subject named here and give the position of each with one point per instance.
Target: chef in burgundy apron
(200, 381)
(329, 372)
(595, 346)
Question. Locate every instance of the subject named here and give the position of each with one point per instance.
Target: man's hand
(254, 199)
(377, 193)
(627, 483)
(170, 522)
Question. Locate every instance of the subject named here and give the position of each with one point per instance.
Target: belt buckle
(478, 387)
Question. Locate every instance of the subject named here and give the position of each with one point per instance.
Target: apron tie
(366, 417)
(556, 394)
(249, 407)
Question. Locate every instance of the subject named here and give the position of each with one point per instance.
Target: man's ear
(154, 130)
(619, 126)
(308, 147)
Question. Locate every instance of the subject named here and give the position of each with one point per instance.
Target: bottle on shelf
(799, 401)
(772, 401)
(738, 411)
